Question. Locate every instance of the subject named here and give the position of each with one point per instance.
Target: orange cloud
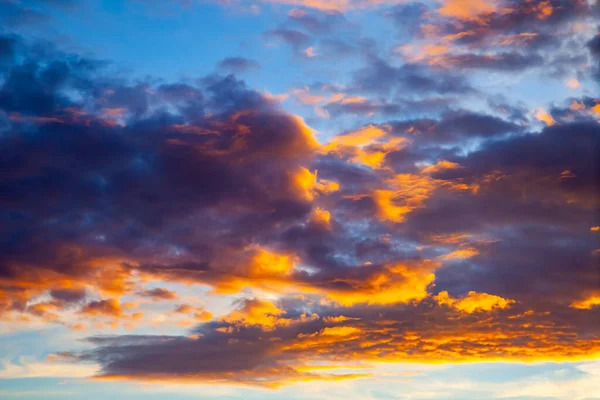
(334, 5)
(544, 9)
(367, 146)
(305, 97)
(354, 100)
(420, 52)
(450, 238)
(275, 97)
(256, 312)
(587, 303)
(572, 83)
(338, 319)
(362, 137)
(308, 185)
(321, 217)
(108, 308)
(543, 116)
(474, 302)
(466, 252)
(409, 192)
(309, 52)
(441, 165)
(199, 314)
(466, 9)
(266, 263)
(393, 284)
(262, 313)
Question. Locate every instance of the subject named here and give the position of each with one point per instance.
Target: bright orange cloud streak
(474, 302)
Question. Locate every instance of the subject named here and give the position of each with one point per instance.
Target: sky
(300, 199)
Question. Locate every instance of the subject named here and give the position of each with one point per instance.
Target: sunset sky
(299, 199)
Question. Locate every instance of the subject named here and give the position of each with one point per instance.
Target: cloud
(380, 76)
(187, 151)
(335, 5)
(68, 295)
(109, 307)
(238, 64)
(466, 9)
(543, 116)
(474, 302)
(158, 294)
(588, 303)
(198, 314)
(296, 39)
(501, 36)
(451, 235)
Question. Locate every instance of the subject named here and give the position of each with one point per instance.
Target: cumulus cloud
(442, 234)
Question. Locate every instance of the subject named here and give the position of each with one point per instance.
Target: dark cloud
(381, 77)
(238, 64)
(594, 46)
(68, 295)
(363, 107)
(320, 23)
(391, 334)
(455, 127)
(116, 177)
(107, 308)
(514, 37)
(503, 61)
(296, 39)
(158, 294)
(516, 17)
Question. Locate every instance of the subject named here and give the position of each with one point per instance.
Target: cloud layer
(441, 232)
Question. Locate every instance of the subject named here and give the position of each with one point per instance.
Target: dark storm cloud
(116, 176)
